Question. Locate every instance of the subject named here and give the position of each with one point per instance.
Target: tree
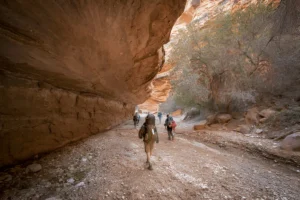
(219, 65)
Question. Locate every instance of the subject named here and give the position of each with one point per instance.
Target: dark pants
(135, 122)
(170, 133)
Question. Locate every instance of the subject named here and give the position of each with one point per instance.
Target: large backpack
(150, 133)
(173, 124)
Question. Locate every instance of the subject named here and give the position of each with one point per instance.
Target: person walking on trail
(136, 119)
(169, 121)
(166, 121)
(149, 135)
(159, 115)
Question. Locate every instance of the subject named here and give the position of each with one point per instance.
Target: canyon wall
(69, 69)
(199, 12)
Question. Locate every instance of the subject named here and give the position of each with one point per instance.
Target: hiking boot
(150, 167)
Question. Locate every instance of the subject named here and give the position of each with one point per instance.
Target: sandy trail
(112, 165)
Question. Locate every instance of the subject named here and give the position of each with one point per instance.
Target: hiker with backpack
(166, 121)
(136, 119)
(169, 121)
(159, 115)
(149, 135)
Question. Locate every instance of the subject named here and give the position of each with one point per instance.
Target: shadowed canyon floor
(112, 166)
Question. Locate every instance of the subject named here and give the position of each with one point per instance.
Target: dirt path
(112, 166)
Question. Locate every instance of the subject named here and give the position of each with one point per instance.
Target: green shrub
(285, 118)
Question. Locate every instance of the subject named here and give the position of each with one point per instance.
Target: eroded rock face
(37, 117)
(195, 10)
(198, 12)
(160, 90)
(161, 86)
(70, 69)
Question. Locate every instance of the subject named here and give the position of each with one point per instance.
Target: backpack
(173, 124)
(169, 122)
(149, 133)
(166, 122)
(142, 131)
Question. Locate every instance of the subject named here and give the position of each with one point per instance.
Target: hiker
(149, 135)
(159, 115)
(166, 121)
(169, 121)
(136, 119)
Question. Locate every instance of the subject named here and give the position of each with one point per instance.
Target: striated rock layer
(160, 91)
(69, 69)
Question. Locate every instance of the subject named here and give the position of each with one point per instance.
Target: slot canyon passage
(73, 73)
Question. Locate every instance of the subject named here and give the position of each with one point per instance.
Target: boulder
(71, 180)
(282, 133)
(244, 129)
(266, 114)
(34, 168)
(262, 120)
(211, 119)
(80, 184)
(237, 115)
(291, 142)
(252, 116)
(192, 113)
(259, 131)
(223, 118)
(202, 124)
